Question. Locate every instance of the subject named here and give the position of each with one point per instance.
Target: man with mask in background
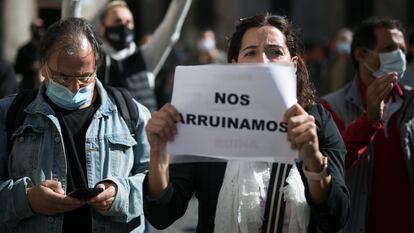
(72, 136)
(132, 67)
(375, 116)
(207, 52)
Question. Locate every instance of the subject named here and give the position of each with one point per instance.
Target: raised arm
(315, 135)
(71, 8)
(165, 197)
(165, 36)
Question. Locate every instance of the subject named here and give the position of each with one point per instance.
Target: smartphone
(85, 193)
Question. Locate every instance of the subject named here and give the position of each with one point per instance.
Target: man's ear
(43, 75)
(359, 55)
(43, 70)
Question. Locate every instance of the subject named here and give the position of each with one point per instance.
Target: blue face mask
(393, 61)
(343, 47)
(64, 98)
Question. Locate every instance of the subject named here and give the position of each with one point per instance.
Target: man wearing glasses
(72, 137)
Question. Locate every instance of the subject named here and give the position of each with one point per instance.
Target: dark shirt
(74, 124)
(129, 73)
(7, 80)
(205, 180)
(27, 56)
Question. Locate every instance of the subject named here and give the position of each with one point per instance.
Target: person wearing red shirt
(375, 115)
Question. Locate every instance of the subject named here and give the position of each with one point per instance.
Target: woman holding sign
(256, 196)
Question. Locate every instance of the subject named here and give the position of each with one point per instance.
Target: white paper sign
(234, 112)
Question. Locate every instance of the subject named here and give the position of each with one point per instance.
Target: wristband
(317, 176)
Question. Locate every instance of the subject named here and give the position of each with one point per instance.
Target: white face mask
(393, 61)
(206, 45)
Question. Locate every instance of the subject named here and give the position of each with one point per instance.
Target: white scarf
(242, 198)
(121, 54)
(294, 193)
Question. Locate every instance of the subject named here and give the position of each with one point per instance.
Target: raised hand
(160, 129)
(303, 137)
(377, 92)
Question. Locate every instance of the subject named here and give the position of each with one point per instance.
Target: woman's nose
(262, 58)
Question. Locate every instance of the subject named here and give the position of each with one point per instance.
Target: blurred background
(318, 19)
(323, 25)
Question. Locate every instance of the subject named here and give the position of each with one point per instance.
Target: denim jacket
(38, 154)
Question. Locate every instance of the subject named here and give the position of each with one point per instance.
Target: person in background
(27, 61)
(315, 57)
(165, 78)
(125, 64)
(339, 67)
(7, 79)
(73, 136)
(168, 188)
(207, 52)
(146, 38)
(375, 116)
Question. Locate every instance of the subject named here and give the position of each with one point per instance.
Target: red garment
(357, 136)
(389, 200)
(389, 209)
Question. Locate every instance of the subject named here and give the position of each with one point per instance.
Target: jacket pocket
(27, 147)
(120, 153)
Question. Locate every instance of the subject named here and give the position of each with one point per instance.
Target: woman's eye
(275, 52)
(249, 54)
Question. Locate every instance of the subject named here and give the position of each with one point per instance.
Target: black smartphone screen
(85, 193)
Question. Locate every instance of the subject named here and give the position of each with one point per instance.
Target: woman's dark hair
(305, 91)
(68, 33)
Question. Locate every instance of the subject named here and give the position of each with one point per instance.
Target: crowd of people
(85, 126)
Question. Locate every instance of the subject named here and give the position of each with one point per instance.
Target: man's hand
(103, 201)
(377, 92)
(48, 198)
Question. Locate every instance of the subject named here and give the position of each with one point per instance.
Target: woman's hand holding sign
(160, 129)
(302, 135)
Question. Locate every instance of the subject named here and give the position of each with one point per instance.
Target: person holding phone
(73, 165)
